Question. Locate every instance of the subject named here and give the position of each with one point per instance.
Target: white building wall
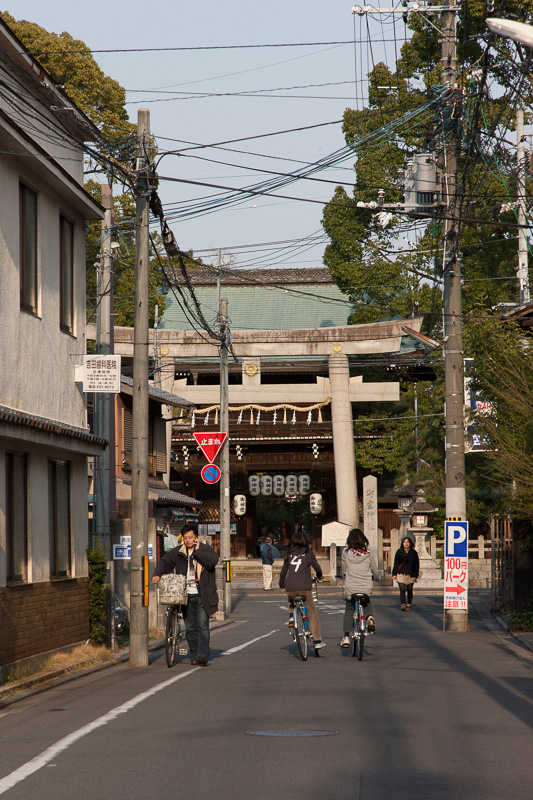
(38, 359)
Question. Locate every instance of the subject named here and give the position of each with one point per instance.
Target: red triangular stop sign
(211, 443)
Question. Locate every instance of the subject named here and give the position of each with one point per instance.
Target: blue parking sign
(456, 537)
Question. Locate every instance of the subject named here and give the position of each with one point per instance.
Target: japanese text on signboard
(456, 565)
(102, 374)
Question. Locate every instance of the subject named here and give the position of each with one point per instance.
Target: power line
(187, 48)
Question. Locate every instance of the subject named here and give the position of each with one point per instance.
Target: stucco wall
(38, 359)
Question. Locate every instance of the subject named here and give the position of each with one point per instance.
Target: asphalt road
(426, 714)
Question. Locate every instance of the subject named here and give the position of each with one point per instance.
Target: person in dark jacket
(405, 570)
(267, 559)
(197, 561)
(295, 578)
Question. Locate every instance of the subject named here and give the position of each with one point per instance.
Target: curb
(43, 681)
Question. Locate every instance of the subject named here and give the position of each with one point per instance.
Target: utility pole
(523, 275)
(453, 322)
(225, 542)
(139, 488)
(103, 400)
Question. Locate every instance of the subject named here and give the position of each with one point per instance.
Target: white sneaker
(345, 641)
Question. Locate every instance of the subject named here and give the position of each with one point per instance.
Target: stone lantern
(405, 494)
(419, 510)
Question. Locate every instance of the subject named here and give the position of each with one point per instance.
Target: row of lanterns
(278, 485)
(258, 485)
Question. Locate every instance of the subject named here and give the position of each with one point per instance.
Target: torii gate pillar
(343, 445)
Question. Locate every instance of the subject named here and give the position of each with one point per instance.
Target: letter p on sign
(456, 535)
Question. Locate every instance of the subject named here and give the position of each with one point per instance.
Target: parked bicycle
(174, 634)
(299, 628)
(359, 626)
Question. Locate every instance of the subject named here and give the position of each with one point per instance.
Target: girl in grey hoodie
(360, 565)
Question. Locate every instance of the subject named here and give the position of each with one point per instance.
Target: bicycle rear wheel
(359, 639)
(301, 634)
(171, 636)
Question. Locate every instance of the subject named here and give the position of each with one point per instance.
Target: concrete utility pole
(139, 470)
(225, 541)
(523, 275)
(103, 401)
(453, 322)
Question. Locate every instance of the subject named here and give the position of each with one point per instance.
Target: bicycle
(359, 626)
(174, 633)
(300, 630)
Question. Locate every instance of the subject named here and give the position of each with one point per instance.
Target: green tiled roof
(267, 307)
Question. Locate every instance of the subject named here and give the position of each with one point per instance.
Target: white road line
(44, 758)
(246, 644)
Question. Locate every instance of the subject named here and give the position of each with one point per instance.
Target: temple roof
(265, 299)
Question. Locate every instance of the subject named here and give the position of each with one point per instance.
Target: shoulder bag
(172, 589)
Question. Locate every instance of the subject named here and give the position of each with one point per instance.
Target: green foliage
(272, 512)
(97, 576)
(384, 280)
(365, 258)
(521, 621)
(123, 265)
(71, 65)
(503, 374)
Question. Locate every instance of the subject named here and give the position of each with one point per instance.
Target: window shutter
(161, 445)
(127, 430)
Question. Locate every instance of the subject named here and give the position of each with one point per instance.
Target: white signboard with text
(456, 565)
(101, 374)
(335, 533)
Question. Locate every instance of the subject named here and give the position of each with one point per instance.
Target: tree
(71, 65)
(123, 263)
(503, 375)
(409, 113)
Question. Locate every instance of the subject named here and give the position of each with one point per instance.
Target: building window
(66, 274)
(59, 518)
(17, 516)
(28, 250)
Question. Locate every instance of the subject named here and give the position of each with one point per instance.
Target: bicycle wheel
(301, 633)
(359, 639)
(171, 636)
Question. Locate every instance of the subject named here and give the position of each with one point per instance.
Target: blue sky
(149, 76)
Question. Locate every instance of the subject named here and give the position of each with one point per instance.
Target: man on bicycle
(295, 578)
(197, 561)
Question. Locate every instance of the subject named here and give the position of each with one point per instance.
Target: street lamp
(517, 31)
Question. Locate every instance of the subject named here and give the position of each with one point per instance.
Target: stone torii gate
(336, 343)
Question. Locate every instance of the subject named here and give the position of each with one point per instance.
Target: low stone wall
(479, 573)
(41, 617)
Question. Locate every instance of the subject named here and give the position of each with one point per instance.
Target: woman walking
(405, 570)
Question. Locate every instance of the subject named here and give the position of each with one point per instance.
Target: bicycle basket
(172, 589)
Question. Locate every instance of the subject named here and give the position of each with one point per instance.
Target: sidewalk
(498, 624)
(44, 680)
